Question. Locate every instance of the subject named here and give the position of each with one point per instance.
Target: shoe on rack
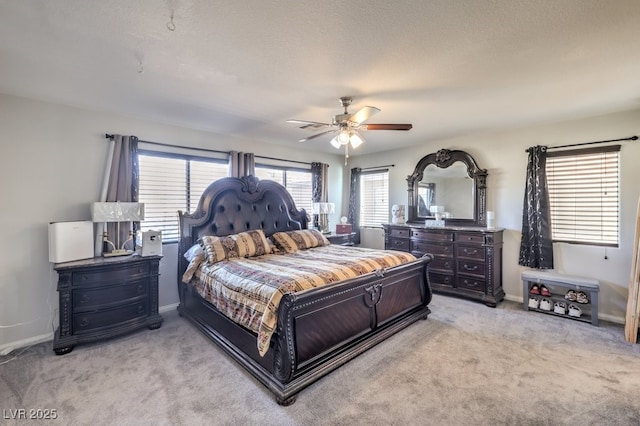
(545, 291)
(582, 297)
(575, 311)
(545, 304)
(533, 303)
(560, 308)
(570, 296)
(534, 289)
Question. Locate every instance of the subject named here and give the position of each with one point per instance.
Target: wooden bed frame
(318, 330)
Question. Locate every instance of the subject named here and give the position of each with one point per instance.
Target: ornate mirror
(448, 185)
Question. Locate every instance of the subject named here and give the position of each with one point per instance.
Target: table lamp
(117, 212)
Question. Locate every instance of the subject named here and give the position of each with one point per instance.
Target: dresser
(101, 298)
(467, 260)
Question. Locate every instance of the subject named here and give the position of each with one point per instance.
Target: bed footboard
(322, 329)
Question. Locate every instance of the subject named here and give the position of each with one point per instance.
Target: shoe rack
(561, 295)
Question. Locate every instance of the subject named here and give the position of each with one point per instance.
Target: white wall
(503, 155)
(51, 168)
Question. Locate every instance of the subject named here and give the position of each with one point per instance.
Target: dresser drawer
(434, 249)
(398, 244)
(111, 275)
(86, 299)
(438, 236)
(467, 237)
(442, 264)
(399, 232)
(470, 252)
(436, 278)
(90, 321)
(473, 284)
(471, 267)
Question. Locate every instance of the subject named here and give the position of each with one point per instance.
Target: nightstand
(342, 239)
(103, 297)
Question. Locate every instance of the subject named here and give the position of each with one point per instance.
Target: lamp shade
(117, 212)
(324, 208)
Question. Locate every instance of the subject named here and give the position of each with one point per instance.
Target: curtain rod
(280, 159)
(632, 138)
(110, 137)
(378, 167)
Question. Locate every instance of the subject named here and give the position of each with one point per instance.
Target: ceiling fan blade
(309, 124)
(363, 114)
(316, 135)
(388, 126)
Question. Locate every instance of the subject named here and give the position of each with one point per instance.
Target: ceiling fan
(348, 126)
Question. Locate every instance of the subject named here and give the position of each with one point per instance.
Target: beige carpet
(466, 365)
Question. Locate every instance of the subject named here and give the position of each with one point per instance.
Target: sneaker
(574, 311)
(533, 303)
(560, 308)
(570, 296)
(581, 297)
(545, 304)
(545, 291)
(534, 289)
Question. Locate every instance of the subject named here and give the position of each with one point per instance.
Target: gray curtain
(536, 247)
(354, 202)
(319, 182)
(241, 164)
(124, 181)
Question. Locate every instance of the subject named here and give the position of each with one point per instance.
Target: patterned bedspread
(249, 290)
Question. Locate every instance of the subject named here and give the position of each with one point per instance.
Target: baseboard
(9, 347)
(12, 346)
(604, 317)
(167, 308)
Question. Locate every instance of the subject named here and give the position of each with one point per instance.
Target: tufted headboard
(233, 205)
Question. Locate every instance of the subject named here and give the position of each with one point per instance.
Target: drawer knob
(446, 280)
(470, 251)
(470, 268)
(84, 298)
(447, 264)
(140, 288)
(84, 322)
(140, 309)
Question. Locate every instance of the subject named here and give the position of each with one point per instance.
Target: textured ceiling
(449, 67)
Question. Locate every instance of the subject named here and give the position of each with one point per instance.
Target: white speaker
(151, 244)
(70, 241)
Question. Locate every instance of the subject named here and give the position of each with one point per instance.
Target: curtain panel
(319, 183)
(123, 184)
(354, 202)
(241, 164)
(536, 245)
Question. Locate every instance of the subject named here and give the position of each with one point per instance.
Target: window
(584, 195)
(172, 182)
(297, 181)
(374, 198)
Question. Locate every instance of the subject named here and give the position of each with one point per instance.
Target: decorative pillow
(193, 252)
(244, 244)
(292, 241)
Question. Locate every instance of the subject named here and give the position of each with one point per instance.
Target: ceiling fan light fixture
(335, 142)
(343, 137)
(356, 140)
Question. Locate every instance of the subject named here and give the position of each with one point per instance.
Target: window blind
(297, 182)
(374, 198)
(584, 188)
(172, 183)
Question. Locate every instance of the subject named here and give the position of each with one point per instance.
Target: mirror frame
(443, 159)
